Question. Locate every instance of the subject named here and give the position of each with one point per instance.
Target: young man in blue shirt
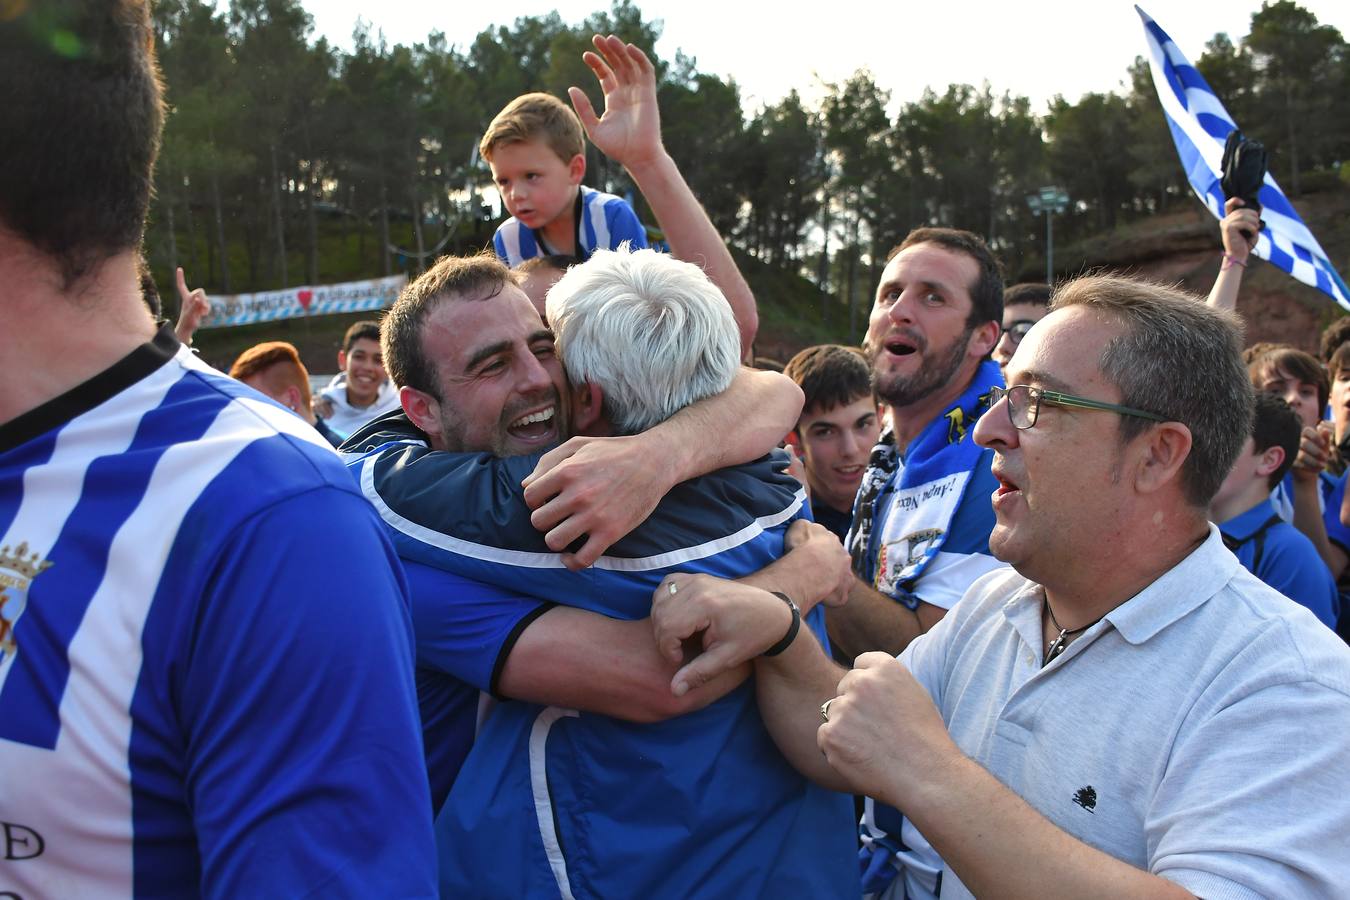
(1269, 547)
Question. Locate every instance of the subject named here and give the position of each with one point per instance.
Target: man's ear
(424, 411)
(576, 168)
(587, 407)
(1271, 459)
(983, 339)
(294, 401)
(342, 360)
(1164, 449)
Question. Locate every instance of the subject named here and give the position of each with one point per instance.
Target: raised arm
(1239, 229)
(605, 487)
(629, 132)
(193, 306)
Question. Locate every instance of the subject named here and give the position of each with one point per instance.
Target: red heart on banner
(305, 298)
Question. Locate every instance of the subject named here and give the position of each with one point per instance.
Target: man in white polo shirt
(1130, 712)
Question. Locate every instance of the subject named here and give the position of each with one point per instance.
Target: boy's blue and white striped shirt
(606, 222)
(205, 664)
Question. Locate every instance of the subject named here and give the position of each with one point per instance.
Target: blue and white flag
(1200, 125)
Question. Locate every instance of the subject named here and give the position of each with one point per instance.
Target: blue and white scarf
(937, 468)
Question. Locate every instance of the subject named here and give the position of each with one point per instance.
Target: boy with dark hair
(1023, 306)
(537, 153)
(1302, 496)
(836, 432)
(1334, 336)
(360, 391)
(1269, 547)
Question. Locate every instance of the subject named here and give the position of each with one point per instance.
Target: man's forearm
(999, 846)
(693, 238)
(582, 660)
(809, 573)
(872, 621)
(738, 425)
(790, 689)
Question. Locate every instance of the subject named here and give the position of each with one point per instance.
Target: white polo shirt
(1201, 731)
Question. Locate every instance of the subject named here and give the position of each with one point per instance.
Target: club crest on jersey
(18, 568)
(899, 557)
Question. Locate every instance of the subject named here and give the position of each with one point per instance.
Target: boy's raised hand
(629, 131)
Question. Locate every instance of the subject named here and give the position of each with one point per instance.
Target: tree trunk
(1293, 141)
(279, 222)
(220, 233)
(384, 228)
(193, 253)
(173, 239)
(852, 274)
(417, 228)
(312, 222)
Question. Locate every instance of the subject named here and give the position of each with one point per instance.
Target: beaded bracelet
(1229, 261)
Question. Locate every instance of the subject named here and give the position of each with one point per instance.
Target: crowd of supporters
(1035, 593)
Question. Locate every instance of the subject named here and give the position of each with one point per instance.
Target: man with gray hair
(538, 805)
(1128, 712)
(641, 336)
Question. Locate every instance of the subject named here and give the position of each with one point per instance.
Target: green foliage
(286, 161)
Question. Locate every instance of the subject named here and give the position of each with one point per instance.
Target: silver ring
(673, 589)
(825, 709)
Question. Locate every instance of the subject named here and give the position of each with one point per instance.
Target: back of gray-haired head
(1178, 358)
(651, 331)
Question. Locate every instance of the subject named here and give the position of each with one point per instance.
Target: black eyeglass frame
(1036, 396)
(1012, 330)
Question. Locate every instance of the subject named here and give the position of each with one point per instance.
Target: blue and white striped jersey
(205, 652)
(606, 222)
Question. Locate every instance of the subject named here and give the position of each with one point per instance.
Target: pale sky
(1036, 48)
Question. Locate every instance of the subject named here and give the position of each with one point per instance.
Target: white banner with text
(293, 303)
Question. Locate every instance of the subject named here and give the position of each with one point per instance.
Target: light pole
(1048, 201)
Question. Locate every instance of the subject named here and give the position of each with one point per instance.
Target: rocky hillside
(1184, 248)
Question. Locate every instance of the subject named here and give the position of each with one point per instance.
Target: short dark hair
(405, 357)
(1275, 424)
(830, 375)
(1032, 293)
(1335, 335)
(1303, 366)
(81, 128)
(365, 330)
(1340, 360)
(1177, 358)
(986, 294)
(559, 261)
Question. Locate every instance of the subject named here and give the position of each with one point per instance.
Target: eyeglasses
(1018, 330)
(1024, 404)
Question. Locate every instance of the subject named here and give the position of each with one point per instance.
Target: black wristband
(792, 629)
